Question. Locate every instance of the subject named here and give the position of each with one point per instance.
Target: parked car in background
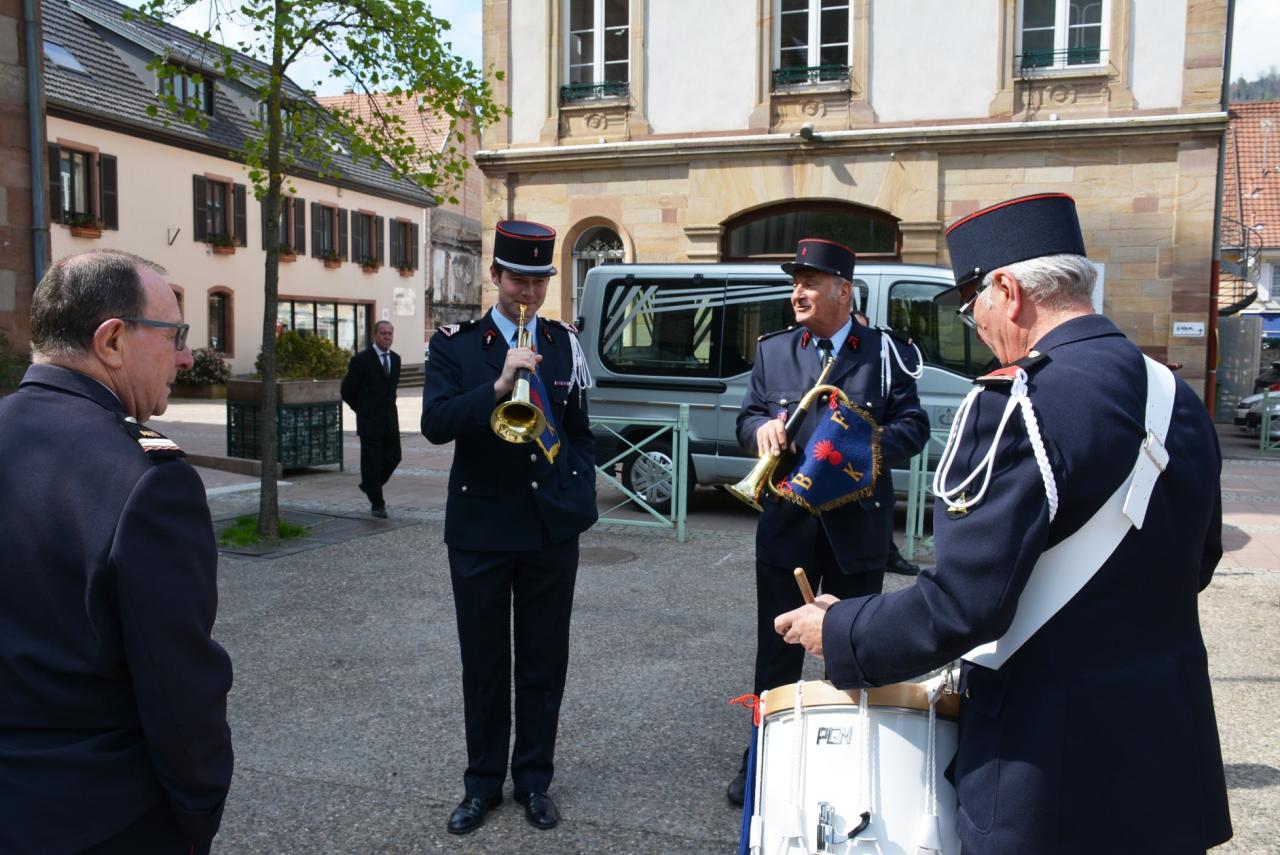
(1248, 413)
(659, 335)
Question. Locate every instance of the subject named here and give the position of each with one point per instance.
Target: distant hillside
(1265, 88)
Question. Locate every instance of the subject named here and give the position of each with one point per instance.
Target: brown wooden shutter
(299, 226)
(108, 203)
(397, 253)
(378, 240)
(55, 184)
(200, 203)
(315, 230)
(342, 235)
(240, 218)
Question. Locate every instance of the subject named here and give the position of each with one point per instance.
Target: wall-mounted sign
(1188, 329)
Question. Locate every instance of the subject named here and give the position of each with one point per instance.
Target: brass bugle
(750, 488)
(518, 420)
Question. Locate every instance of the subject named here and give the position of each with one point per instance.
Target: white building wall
(1159, 43)
(943, 70)
(529, 43)
(702, 65)
(156, 222)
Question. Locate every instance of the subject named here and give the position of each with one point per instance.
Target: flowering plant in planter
(370, 264)
(331, 258)
(405, 268)
(85, 225)
(223, 244)
(287, 253)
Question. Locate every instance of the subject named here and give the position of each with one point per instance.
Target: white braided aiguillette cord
(1037, 448)
(864, 720)
(984, 468)
(581, 374)
(886, 348)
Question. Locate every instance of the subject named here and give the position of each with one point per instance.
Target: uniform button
(575, 471)
(533, 484)
(464, 488)
(877, 504)
(533, 458)
(783, 402)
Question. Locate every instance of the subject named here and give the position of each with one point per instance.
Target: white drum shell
(831, 769)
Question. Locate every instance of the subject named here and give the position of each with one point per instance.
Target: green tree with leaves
(395, 47)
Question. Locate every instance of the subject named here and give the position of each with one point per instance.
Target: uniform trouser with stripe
(494, 592)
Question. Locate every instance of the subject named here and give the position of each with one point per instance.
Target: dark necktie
(386, 364)
(824, 351)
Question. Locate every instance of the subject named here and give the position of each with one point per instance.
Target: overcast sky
(1255, 48)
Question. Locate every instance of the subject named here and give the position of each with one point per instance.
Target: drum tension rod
(827, 829)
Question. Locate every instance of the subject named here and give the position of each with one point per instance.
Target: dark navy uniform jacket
(1098, 735)
(787, 366)
(112, 693)
(369, 392)
(506, 496)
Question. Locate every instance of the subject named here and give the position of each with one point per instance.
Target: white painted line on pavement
(210, 492)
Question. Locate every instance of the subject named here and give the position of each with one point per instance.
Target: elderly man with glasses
(113, 728)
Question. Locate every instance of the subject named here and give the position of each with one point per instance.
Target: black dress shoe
(539, 808)
(380, 513)
(469, 814)
(737, 791)
(901, 566)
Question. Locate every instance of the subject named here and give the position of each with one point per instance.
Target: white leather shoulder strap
(1065, 568)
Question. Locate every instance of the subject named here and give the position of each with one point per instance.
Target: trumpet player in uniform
(512, 519)
(844, 548)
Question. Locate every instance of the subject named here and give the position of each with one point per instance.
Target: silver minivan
(659, 335)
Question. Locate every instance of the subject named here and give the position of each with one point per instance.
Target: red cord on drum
(751, 702)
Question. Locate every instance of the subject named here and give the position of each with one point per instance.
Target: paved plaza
(347, 706)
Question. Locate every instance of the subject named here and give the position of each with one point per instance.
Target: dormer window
(187, 87)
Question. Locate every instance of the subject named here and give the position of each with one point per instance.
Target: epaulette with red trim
(776, 332)
(155, 444)
(1005, 375)
(449, 330)
(570, 327)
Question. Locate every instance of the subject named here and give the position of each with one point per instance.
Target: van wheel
(647, 473)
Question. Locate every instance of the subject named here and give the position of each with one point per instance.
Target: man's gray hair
(1052, 281)
(383, 323)
(79, 292)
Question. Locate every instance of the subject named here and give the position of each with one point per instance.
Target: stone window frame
(1056, 88)
(785, 109)
(611, 118)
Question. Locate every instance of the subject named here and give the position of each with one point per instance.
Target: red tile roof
(1255, 136)
(429, 132)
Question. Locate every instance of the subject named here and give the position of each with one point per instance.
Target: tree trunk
(269, 498)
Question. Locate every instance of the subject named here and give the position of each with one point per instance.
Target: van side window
(943, 340)
(667, 327)
(752, 308)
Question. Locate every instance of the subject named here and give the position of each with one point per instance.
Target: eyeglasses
(179, 338)
(965, 311)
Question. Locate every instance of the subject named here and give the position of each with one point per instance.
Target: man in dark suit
(113, 728)
(370, 389)
(1088, 725)
(512, 521)
(845, 549)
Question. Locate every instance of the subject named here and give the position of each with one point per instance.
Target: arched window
(771, 233)
(600, 245)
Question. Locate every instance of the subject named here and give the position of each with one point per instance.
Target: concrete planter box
(287, 391)
(200, 390)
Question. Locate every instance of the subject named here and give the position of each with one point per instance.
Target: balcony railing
(1065, 58)
(800, 75)
(571, 92)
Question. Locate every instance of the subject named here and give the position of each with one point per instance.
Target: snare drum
(823, 761)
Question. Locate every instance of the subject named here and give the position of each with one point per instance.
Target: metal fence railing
(1266, 443)
(677, 430)
(919, 488)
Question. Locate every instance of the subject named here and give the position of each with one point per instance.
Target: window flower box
(286, 255)
(223, 250)
(370, 265)
(85, 226)
(332, 261)
(405, 272)
(86, 232)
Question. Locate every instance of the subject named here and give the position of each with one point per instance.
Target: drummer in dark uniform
(1087, 722)
(844, 549)
(512, 522)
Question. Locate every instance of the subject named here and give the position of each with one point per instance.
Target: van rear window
(943, 340)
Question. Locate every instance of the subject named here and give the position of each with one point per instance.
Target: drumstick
(803, 581)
